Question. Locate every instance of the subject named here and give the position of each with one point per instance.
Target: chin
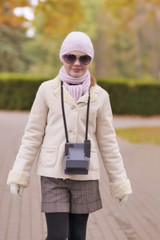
(76, 75)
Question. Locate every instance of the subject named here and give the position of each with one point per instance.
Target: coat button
(72, 132)
(75, 108)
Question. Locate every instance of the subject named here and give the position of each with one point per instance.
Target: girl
(68, 195)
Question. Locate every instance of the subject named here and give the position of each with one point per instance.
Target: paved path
(138, 219)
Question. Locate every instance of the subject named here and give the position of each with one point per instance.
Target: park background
(126, 35)
(126, 38)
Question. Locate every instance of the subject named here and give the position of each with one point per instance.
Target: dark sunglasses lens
(85, 59)
(69, 58)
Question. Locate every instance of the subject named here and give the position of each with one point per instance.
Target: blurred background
(126, 38)
(126, 35)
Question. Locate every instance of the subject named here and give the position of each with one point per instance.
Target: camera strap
(64, 117)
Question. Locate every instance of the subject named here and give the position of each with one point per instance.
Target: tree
(55, 18)
(45, 56)
(141, 20)
(7, 16)
(88, 23)
(13, 58)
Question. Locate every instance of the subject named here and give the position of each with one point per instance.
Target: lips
(76, 69)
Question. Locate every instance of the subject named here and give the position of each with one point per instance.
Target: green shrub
(18, 91)
(136, 98)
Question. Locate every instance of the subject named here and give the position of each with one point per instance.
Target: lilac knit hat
(77, 41)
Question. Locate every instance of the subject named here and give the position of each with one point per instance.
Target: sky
(26, 11)
(28, 14)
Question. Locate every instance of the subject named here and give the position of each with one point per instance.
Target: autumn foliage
(7, 16)
(125, 34)
(51, 17)
(55, 17)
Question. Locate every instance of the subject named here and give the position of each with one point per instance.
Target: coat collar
(69, 99)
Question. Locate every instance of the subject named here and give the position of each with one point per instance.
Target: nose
(77, 62)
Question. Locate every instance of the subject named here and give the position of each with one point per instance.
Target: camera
(77, 157)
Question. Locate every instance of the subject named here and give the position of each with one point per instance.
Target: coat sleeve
(31, 141)
(109, 149)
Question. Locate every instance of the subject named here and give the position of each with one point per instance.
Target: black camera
(77, 157)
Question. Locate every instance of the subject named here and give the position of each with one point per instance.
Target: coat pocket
(48, 156)
(94, 161)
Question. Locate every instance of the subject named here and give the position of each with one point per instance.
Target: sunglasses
(71, 58)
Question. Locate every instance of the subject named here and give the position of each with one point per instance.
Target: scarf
(76, 86)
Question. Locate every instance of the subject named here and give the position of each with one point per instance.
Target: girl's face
(75, 69)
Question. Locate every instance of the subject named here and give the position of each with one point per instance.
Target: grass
(147, 134)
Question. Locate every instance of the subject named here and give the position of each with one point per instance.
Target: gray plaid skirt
(72, 196)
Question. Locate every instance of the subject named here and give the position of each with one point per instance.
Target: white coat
(44, 137)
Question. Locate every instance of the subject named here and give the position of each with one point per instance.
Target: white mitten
(121, 190)
(16, 190)
(122, 200)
